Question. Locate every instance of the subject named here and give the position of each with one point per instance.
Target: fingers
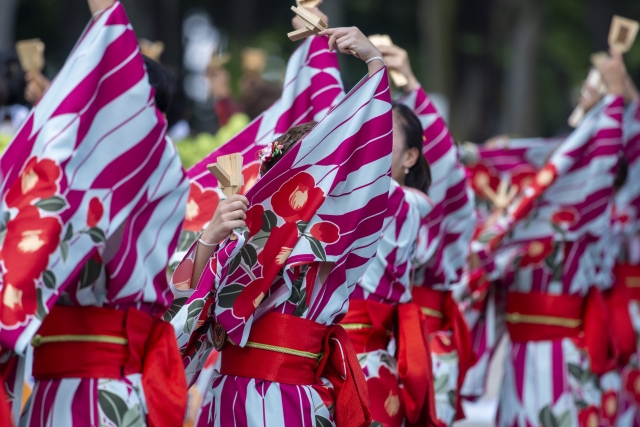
(233, 215)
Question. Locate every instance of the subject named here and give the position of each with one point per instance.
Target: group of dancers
(361, 273)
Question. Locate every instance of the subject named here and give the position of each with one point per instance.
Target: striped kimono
(312, 229)
(448, 229)
(93, 198)
(385, 285)
(555, 316)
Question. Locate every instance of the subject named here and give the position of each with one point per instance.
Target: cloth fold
(148, 348)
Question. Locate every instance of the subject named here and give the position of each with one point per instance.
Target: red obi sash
(441, 313)
(290, 350)
(369, 325)
(625, 289)
(5, 408)
(110, 343)
(536, 316)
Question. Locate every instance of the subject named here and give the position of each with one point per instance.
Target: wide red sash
(536, 316)
(150, 348)
(441, 313)
(369, 325)
(5, 372)
(625, 289)
(281, 349)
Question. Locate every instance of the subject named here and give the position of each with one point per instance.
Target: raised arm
(351, 41)
(96, 6)
(397, 59)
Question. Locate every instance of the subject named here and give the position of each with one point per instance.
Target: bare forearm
(203, 254)
(96, 6)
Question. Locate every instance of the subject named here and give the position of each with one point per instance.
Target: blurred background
(495, 66)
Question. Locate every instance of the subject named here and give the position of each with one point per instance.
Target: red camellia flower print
(537, 251)
(609, 407)
(568, 217)
(29, 241)
(250, 298)
(254, 219)
(386, 406)
(632, 384)
(37, 181)
(278, 248)
(96, 210)
(250, 173)
(588, 417)
(523, 178)
(482, 177)
(200, 207)
(326, 232)
(298, 199)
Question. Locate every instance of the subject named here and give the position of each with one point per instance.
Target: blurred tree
(7, 22)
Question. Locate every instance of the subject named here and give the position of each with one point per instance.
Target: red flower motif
(250, 173)
(537, 251)
(326, 232)
(29, 241)
(96, 210)
(567, 217)
(387, 406)
(588, 417)
(37, 181)
(298, 199)
(632, 384)
(482, 177)
(278, 248)
(200, 207)
(254, 219)
(440, 343)
(250, 298)
(181, 278)
(609, 407)
(523, 178)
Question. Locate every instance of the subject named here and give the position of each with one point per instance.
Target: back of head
(258, 95)
(159, 79)
(419, 176)
(286, 142)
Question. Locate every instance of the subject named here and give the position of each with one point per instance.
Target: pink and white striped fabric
(312, 87)
(93, 198)
(553, 229)
(450, 224)
(318, 212)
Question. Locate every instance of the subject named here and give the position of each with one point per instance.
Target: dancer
(93, 198)
(270, 299)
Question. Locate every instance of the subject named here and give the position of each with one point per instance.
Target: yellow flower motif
(392, 404)
(257, 301)
(30, 241)
(12, 297)
(29, 181)
(192, 210)
(283, 255)
(299, 197)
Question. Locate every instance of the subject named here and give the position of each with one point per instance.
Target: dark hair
(258, 96)
(621, 174)
(288, 140)
(419, 176)
(12, 83)
(159, 80)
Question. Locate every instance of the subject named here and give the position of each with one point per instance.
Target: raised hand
(351, 41)
(614, 73)
(397, 59)
(96, 6)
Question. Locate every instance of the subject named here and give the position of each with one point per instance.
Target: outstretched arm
(397, 59)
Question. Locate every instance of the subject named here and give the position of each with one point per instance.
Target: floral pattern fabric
(312, 87)
(288, 259)
(93, 196)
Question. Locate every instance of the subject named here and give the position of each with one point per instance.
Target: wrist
(412, 85)
(210, 237)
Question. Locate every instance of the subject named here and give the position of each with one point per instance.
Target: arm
(397, 59)
(230, 214)
(96, 6)
(351, 41)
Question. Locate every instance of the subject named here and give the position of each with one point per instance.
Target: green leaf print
(302, 304)
(133, 418)
(302, 226)
(69, 234)
(441, 384)
(174, 309)
(227, 295)
(564, 420)
(90, 273)
(235, 263)
(547, 419)
(575, 371)
(322, 422)
(41, 311)
(64, 251)
(49, 279)
(249, 255)
(317, 248)
(194, 311)
(52, 204)
(269, 220)
(384, 358)
(97, 235)
(112, 406)
(451, 394)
